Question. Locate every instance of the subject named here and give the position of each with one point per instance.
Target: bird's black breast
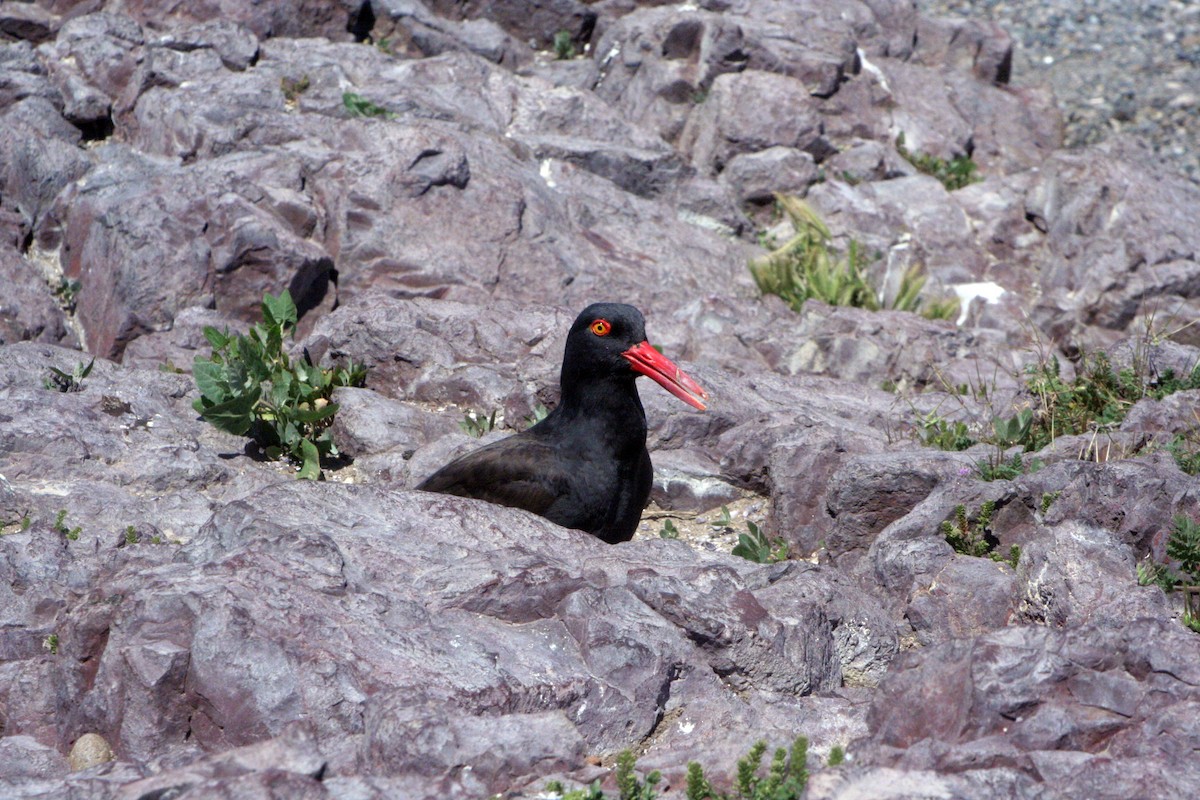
(568, 481)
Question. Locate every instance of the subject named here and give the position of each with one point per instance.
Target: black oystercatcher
(585, 465)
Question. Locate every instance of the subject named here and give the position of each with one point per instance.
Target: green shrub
(785, 779)
(805, 267)
(972, 540)
(477, 424)
(954, 174)
(755, 546)
(249, 386)
(564, 48)
(359, 106)
(60, 381)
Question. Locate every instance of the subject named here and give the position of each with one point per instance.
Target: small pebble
(88, 751)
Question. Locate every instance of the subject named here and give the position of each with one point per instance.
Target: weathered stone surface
(746, 112)
(233, 633)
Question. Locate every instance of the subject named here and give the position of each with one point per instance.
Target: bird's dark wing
(519, 471)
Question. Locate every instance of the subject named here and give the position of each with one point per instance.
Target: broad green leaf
(216, 338)
(315, 414)
(234, 415)
(279, 312)
(212, 379)
(312, 461)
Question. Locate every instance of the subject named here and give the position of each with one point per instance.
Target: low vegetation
(249, 386)
(1095, 400)
(974, 539)
(806, 267)
(564, 47)
(60, 381)
(358, 106)
(1183, 547)
(785, 778)
(755, 546)
(954, 174)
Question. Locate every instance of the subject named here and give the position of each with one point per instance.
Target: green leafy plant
(18, 525)
(359, 106)
(785, 779)
(954, 174)
(1048, 499)
(1185, 453)
(1183, 545)
(592, 792)
(997, 468)
(972, 540)
(668, 530)
(837, 756)
(628, 784)
(60, 525)
(806, 267)
(51, 643)
(249, 386)
(564, 48)
(755, 546)
(944, 434)
(60, 381)
(292, 88)
(1157, 574)
(476, 424)
(540, 412)
(67, 291)
(131, 536)
(723, 522)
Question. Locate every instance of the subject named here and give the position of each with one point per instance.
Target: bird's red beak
(653, 364)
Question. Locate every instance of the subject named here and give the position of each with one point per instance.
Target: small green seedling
(476, 424)
(564, 48)
(60, 381)
(359, 106)
(755, 546)
(60, 525)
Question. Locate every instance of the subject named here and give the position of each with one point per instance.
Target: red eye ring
(601, 327)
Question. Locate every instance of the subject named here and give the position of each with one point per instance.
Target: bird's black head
(608, 340)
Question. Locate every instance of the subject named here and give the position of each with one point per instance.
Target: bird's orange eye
(601, 327)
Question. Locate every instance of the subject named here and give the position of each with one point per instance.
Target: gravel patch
(1116, 67)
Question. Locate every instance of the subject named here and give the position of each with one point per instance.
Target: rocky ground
(1117, 68)
(441, 194)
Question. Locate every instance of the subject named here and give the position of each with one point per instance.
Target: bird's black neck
(603, 413)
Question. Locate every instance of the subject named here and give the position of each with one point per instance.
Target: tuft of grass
(805, 267)
(66, 293)
(564, 48)
(755, 546)
(1185, 453)
(358, 106)
(292, 88)
(972, 539)
(786, 778)
(628, 784)
(60, 381)
(61, 526)
(249, 386)
(18, 525)
(540, 412)
(837, 756)
(954, 174)
(944, 434)
(476, 424)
